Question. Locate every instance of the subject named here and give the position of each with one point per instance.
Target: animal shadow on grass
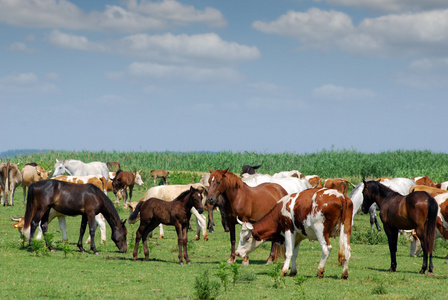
(398, 270)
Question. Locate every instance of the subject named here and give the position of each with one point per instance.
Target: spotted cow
(314, 214)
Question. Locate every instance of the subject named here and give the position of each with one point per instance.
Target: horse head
(196, 197)
(119, 236)
(369, 192)
(60, 169)
(217, 185)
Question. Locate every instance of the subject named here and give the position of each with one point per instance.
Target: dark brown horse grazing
(248, 204)
(177, 212)
(72, 199)
(418, 211)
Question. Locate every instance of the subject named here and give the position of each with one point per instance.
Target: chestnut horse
(72, 199)
(418, 211)
(240, 201)
(123, 180)
(177, 212)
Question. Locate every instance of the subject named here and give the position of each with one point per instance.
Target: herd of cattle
(317, 209)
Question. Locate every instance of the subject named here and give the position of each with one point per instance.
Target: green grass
(67, 273)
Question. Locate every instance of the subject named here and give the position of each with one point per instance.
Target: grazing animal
(433, 191)
(78, 168)
(339, 184)
(249, 169)
(99, 219)
(124, 180)
(418, 211)
(72, 199)
(30, 174)
(314, 180)
(10, 179)
(160, 174)
(169, 193)
(314, 214)
(290, 184)
(177, 213)
(241, 201)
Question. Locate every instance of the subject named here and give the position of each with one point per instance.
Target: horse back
(260, 200)
(158, 209)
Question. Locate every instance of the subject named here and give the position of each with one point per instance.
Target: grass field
(67, 273)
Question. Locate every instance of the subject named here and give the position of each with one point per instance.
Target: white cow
(290, 184)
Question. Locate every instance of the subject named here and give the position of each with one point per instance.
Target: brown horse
(160, 174)
(72, 199)
(240, 201)
(418, 211)
(177, 212)
(123, 180)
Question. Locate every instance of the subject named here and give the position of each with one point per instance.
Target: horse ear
(210, 170)
(225, 171)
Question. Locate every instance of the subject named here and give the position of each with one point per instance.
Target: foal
(177, 212)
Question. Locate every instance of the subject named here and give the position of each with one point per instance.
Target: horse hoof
(189, 262)
(292, 274)
(196, 238)
(181, 263)
(97, 253)
(430, 274)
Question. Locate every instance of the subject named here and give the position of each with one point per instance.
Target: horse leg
(180, 240)
(138, 237)
(44, 226)
(125, 201)
(392, 238)
(210, 219)
(92, 228)
(273, 254)
(81, 232)
(231, 260)
(184, 242)
(24, 193)
(149, 228)
(421, 235)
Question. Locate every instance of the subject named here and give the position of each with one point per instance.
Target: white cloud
(25, 83)
(71, 41)
(21, 79)
(139, 16)
(334, 92)
(425, 73)
(189, 73)
(313, 28)
(391, 5)
(183, 48)
(406, 34)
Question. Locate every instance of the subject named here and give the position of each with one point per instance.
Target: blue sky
(267, 76)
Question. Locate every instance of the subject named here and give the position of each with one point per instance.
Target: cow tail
(433, 209)
(345, 231)
(134, 215)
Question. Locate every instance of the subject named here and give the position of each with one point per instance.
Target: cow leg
(81, 232)
(273, 254)
(295, 254)
(125, 201)
(99, 218)
(323, 238)
(289, 242)
(162, 234)
(63, 226)
(392, 238)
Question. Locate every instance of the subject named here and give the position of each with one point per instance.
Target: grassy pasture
(70, 274)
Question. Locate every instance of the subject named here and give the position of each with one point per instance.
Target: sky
(265, 76)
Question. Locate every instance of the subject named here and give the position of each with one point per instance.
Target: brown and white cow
(314, 214)
(10, 179)
(32, 173)
(339, 184)
(97, 180)
(424, 180)
(314, 180)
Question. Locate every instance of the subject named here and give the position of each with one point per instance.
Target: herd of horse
(273, 211)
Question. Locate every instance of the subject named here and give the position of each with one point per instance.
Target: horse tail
(344, 251)
(134, 215)
(433, 209)
(29, 212)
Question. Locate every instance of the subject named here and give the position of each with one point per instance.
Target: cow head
(247, 243)
(138, 178)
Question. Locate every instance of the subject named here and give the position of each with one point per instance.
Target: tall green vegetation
(326, 164)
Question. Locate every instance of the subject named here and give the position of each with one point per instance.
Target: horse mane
(110, 206)
(383, 190)
(182, 195)
(233, 180)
